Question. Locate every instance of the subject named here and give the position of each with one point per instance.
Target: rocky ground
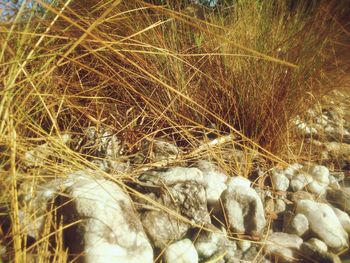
(194, 212)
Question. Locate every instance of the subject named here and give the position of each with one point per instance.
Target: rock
(186, 199)
(186, 189)
(238, 181)
(215, 183)
(319, 173)
(173, 176)
(316, 188)
(324, 223)
(314, 251)
(299, 181)
(280, 182)
(300, 195)
(162, 150)
(340, 198)
(191, 201)
(253, 254)
(244, 245)
(333, 182)
(212, 243)
(180, 190)
(344, 219)
(318, 244)
(109, 230)
(280, 206)
(304, 128)
(338, 148)
(243, 208)
(283, 245)
(291, 170)
(163, 228)
(41, 154)
(182, 251)
(299, 225)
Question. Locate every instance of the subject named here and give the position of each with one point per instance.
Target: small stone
(299, 181)
(280, 206)
(324, 223)
(299, 225)
(279, 181)
(315, 252)
(238, 181)
(292, 169)
(162, 150)
(319, 244)
(340, 198)
(209, 244)
(173, 176)
(344, 219)
(182, 251)
(243, 208)
(163, 228)
(319, 173)
(215, 182)
(317, 188)
(300, 195)
(333, 182)
(283, 245)
(244, 245)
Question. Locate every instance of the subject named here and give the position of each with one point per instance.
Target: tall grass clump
(149, 69)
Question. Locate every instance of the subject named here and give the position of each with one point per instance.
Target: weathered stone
(344, 219)
(299, 181)
(244, 245)
(182, 251)
(183, 194)
(317, 188)
(300, 195)
(163, 228)
(324, 223)
(173, 176)
(108, 229)
(215, 183)
(340, 198)
(243, 208)
(213, 242)
(280, 182)
(318, 244)
(299, 225)
(312, 252)
(283, 245)
(280, 206)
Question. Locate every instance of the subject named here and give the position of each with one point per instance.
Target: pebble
(182, 251)
(324, 223)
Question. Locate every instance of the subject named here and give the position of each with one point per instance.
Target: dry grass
(156, 71)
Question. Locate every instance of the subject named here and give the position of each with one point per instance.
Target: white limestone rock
(318, 244)
(283, 245)
(344, 219)
(215, 182)
(110, 230)
(244, 245)
(324, 223)
(299, 181)
(299, 225)
(243, 207)
(280, 182)
(174, 175)
(182, 251)
(213, 242)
